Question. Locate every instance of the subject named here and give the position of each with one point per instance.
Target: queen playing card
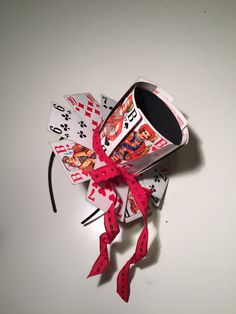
(77, 160)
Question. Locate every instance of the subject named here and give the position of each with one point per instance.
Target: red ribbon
(141, 196)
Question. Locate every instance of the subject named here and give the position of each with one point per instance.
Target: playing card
(143, 140)
(120, 122)
(122, 194)
(100, 195)
(156, 179)
(156, 89)
(66, 123)
(132, 211)
(87, 107)
(107, 105)
(76, 160)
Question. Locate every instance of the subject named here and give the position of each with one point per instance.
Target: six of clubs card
(66, 123)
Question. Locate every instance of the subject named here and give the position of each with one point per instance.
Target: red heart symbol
(102, 191)
(112, 197)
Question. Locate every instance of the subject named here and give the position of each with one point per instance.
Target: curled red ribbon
(141, 196)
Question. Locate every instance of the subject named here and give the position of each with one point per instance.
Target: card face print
(107, 105)
(87, 107)
(66, 123)
(132, 211)
(77, 160)
(156, 180)
(120, 122)
(101, 195)
(138, 143)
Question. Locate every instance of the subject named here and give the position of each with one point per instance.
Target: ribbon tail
(102, 262)
(123, 280)
(142, 197)
(106, 238)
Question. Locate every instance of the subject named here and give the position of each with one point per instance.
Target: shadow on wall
(187, 159)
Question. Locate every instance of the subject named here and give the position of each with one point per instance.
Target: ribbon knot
(110, 171)
(141, 196)
(106, 172)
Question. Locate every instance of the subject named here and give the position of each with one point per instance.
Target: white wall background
(52, 48)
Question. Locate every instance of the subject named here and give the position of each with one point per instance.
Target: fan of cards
(136, 132)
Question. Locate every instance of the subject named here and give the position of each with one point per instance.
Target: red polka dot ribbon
(141, 195)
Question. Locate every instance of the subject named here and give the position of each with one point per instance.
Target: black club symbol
(156, 178)
(69, 111)
(66, 135)
(152, 187)
(66, 116)
(81, 134)
(110, 107)
(82, 124)
(65, 127)
(155, 199)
